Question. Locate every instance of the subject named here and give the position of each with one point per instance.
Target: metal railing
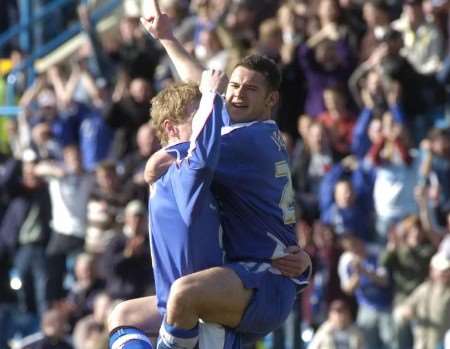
(23, 31)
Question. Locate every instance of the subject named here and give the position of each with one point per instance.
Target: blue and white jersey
(254, 189)
(184, 221)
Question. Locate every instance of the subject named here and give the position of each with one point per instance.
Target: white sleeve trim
(120, 342)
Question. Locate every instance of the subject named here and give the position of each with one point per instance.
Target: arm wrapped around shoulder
(157, 165)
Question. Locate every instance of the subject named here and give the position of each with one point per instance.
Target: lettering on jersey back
(279, 141)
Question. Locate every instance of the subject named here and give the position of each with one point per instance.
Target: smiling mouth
(239, 105)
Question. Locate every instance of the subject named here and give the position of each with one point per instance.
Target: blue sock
(171, 337)
(129, 338)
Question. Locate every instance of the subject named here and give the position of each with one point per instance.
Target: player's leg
(215, 295)
(132, 322)
(252, 303)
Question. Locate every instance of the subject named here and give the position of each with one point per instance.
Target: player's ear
(170, 128)
(272, 99)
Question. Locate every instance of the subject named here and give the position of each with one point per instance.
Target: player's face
(248, 97)
(180, 131)
(185, 128)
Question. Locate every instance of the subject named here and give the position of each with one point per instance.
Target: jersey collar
(227, 129)
(178, 151)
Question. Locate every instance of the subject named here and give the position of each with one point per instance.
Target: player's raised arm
(159, 26)
(207, 121)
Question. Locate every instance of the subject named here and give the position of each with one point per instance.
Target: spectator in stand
(132, 167)
(53, 333)
(241, 20)
(338, 119)
(102, 226)
(396, 177)
(363, 276)
(84, 120)
(445, 244)
(209, 50)
(44, 97)
(292, 19)
(423, 41)
(91, 331)
(43, 142)
(406, 258)
(375, 102)
(70, 188)
(436, 168)
(330, 15)
(109, 189)
(87, 285)
(326, 61)
(126, 263)
(376, 13)
(338, 331)
(127, 113)
(304, 121)
(82, 115)
(346, 200)
(105, 207)
(270, 39)
(98, 62)
(418, 95)
(438, 236)
(308, 168)
(138, 55)
(429, 305)
(26, 224)
(325, 253)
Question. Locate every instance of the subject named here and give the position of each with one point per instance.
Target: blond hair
(172, 104)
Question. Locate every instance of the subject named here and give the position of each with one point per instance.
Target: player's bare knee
(119, 316)
(182, 297)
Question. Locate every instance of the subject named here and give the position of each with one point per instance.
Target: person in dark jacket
(126, 264)
(26, 226)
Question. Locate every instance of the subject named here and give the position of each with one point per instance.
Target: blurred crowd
(364, 112)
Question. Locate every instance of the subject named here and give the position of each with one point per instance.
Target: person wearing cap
(339, 330)
(423, 41)
(429, 305)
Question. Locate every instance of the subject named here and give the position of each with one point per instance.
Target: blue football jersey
(184, 225)
(253, 187)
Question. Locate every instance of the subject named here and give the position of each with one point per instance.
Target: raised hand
(157, 24)
(214, 81)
